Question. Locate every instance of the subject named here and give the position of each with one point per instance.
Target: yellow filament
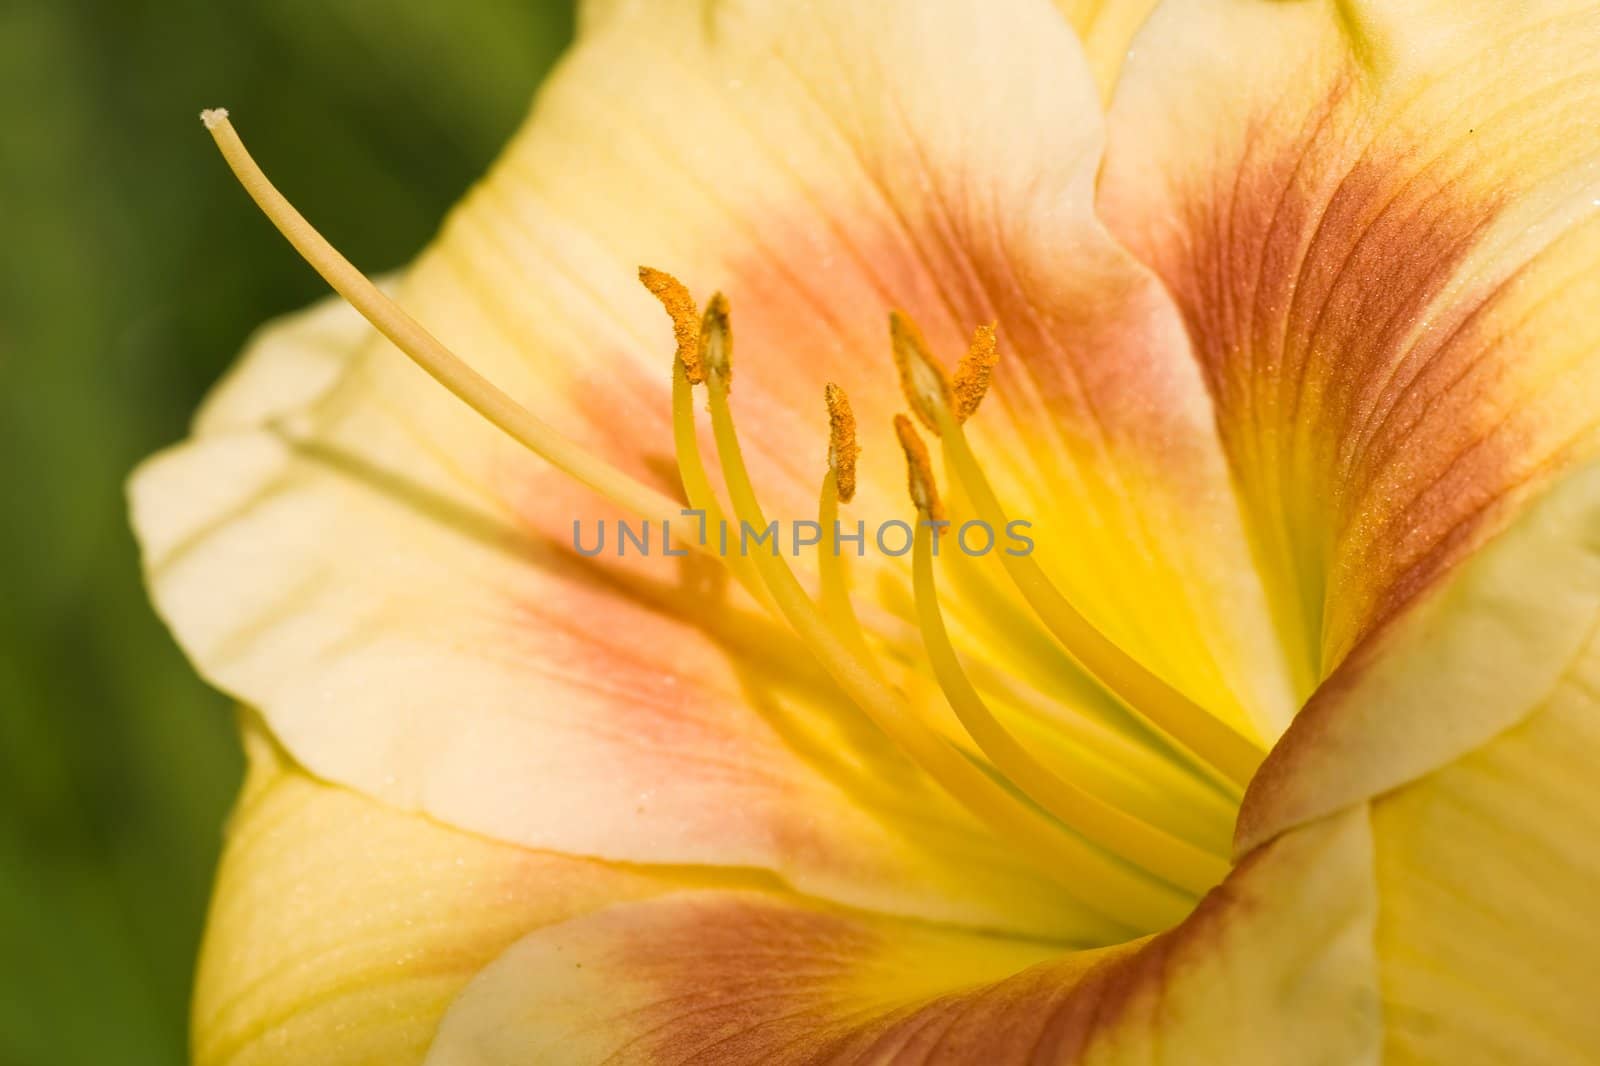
(1137, 770)
(697, 484)
(1118, 832)
(1066, 697)
(1096, 878)
(1186, 722)
(687, 371)
(1117, 756)
(834, 589)
(443, 365)
(839, 486)
(1191, 725)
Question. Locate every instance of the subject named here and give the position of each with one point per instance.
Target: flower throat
(1104, 822)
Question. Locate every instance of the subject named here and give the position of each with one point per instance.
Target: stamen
(1100, 880)
(697, 483)
(443, 365)
(919, 470)
(692, 474)
(1120, 833)
(1111, 752)
(674, 296)
(834, 589)
(1143, 692)
(1136, 777)
(1147, 695)
(973, 372)
(924, 384)
(839, 486)
(842, 447)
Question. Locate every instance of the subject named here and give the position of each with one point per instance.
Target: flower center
(1107, 818)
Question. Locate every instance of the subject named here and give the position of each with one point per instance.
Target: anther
(716, 343)
(924, 384)
(919, 470)
(973, 372)
(674, 296)
(842, 446)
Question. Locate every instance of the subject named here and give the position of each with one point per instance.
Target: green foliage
(133, 269)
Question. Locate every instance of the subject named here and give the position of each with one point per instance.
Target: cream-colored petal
(408, 634)
(1381, 221)
(389, 580)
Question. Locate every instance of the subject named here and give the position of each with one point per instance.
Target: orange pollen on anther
(919, 470)
(674, 296)
(973, 372)
(842, 446)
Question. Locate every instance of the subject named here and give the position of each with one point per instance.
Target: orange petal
(1379, 220)
(1277, 960)
(822, 166)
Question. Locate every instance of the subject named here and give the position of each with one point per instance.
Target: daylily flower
(1276, 323)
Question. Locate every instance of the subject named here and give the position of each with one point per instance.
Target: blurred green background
(131, 270)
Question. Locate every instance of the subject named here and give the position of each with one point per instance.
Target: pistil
(407, 334)
(839, 486)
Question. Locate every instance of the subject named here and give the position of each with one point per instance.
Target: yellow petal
(1469, 727)
(1275, 967)
(1488, 877)
(1471, 660)
(1380, 221)
(341, 930)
